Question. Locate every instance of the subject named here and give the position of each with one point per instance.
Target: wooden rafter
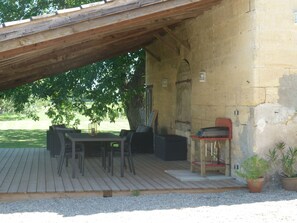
(169, 45)
(176, 38)
(153, 54)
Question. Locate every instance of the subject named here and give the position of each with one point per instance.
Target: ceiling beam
(55, 69)
(154, 55)
(170, 46)
(177, 39)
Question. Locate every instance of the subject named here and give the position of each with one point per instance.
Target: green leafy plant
(135, 193)
(253, 167)
(284, 157)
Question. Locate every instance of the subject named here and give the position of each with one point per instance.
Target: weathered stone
(248, 50)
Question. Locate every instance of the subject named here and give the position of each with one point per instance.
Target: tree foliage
(96, 90)
(23, 9)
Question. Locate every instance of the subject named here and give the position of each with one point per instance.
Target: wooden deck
(33, 171)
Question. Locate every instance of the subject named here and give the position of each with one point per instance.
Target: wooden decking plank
(19, 172)
(59, 186)
(154, 173)
(142, 178)
(162, 166)
(33, 178)
(70, 184)
(84, 180)
(116, 178)
(49, 175)
(110, 180)
(228, 183)
(110, 184)
(169, 182)
(4, 159)
(129, 179)
(77, 187)
(96, 181)
(26, 174)
(25, 170)
(78, 181)
(66, 178)
(21, 177)
(86, 187)
(6, 163)
(41, 183)
(11, 170)
(91, 177)
(3, 153)
(167, 165)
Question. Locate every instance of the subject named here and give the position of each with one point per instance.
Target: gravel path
(235, 206)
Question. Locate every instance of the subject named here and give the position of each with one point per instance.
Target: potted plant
(253, 170)
(284, 159)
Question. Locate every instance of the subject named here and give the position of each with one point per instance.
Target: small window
(295, 17)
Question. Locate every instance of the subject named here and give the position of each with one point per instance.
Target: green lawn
(16, 133)
(12, 138)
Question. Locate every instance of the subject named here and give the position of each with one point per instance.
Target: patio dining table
(99, 137)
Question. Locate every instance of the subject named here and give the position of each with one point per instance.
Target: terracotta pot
(255, 185)
(289, 183)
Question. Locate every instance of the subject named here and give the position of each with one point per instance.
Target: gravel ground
(234, 206)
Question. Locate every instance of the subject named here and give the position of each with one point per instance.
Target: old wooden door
(183, 100)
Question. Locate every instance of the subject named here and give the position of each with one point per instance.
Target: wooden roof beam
(25, 63)
(91, 34)
(154, 55)
(170, 46)
(177, 39)
(74, 60)
(59, 68)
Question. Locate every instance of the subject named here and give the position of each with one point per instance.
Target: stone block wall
(275, 73)
(248, 49)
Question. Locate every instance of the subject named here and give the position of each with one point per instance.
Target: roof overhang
(50, 44)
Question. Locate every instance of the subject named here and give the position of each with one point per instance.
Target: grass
(25, 133)
(21, 138)
(11, 117)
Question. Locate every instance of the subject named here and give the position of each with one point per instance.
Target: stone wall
(276, 73)
(248, 49)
